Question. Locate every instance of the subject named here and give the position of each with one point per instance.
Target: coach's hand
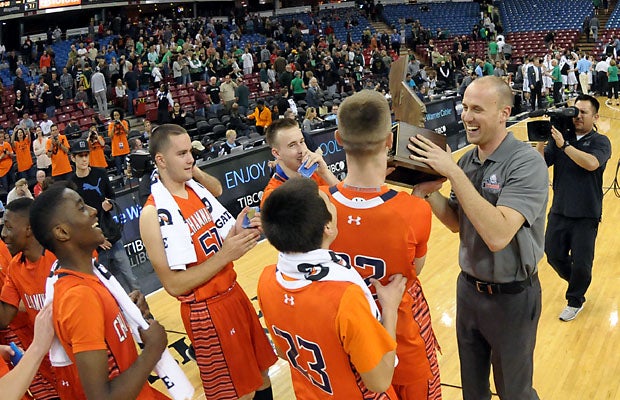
(427, 152)
(424, 189)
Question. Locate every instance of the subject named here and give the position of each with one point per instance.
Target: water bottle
(18, 353)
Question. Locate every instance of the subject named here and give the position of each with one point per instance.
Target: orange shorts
(231, 346)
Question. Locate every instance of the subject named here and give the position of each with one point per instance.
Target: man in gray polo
(497, 204)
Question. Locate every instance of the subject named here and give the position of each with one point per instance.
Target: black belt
(496, 288)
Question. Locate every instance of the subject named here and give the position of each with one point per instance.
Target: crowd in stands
(214, 76)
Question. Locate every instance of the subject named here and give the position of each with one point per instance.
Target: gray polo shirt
(514, 176)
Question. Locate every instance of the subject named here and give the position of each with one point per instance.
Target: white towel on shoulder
(166, 368)
(320, 265)
(175, 231)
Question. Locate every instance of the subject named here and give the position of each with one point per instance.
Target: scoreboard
(18, 6)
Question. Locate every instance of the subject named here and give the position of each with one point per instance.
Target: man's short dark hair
(294, 216)
(160, 137)
(43, 214)
(592, 100)
(21, 205)
(276, 126)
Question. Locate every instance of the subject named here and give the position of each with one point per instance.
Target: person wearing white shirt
(601, 76)
(46, 125)
(248, 62)
(19, 191)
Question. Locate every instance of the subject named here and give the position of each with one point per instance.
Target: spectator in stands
(248, 61)
(242, 96)
(45, 60)
(99, 88)
(227, 92)
(200, 100)
(37, 189)
(45, 124)
(27, 123)
(132, 81)
(20, 191)
(213, 91)
(57, 148)
(177, 69)
(164, 102)
(238, 121)
(594, 26)
(66, 84)
(230, 143)
(19, 84)
(73, 130)
(96, 144)
(264, 77)
(81, 98)
(178, 115)
(6, 161)
(262, 115)
(313, 93)
(120, 95)
(23, 156)
(39, 147)
(310, 121)
(47, 101)
(118, 129)
(19, 104)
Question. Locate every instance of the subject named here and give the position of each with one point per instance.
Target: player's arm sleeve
(81, 319)
(363, 337)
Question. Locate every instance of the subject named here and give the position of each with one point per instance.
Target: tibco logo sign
(58, 3)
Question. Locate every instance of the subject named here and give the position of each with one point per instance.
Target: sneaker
(570, 313)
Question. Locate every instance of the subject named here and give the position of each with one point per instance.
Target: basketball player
(344, 352)
(232, 351)
(87, 319)
(399, 226)
(25, 283)
(289, 148)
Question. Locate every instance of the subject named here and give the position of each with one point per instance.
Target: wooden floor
(573, 360)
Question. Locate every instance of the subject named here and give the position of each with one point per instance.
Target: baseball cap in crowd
(197, 145)
(79, 146)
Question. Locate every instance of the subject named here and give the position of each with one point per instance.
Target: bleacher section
(537, 15)
(457, 18)
(532, 42)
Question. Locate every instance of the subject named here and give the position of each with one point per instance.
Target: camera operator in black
(578, 166)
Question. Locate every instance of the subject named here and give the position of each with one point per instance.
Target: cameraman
(572, 225)
(96, 143)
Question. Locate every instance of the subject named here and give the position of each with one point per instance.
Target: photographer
(57, 148)
(572, 225)
(96, 143)
(6, 161)
(118, 129)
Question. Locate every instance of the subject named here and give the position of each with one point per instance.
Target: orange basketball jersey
(87, 318)
(328, 335)
(207, 241)
(25, 281)
(381, 233)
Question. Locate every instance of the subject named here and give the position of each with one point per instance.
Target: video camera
(561, 118)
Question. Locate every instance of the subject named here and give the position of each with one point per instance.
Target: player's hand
(237, 244)
(137, 297)
(314, 157)
(432, 155)
(557, 137)
(425, 188)
(154, 337)
(391, 294)
(6, 352)
(43, 329)
(106, 245)
(106, 205)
